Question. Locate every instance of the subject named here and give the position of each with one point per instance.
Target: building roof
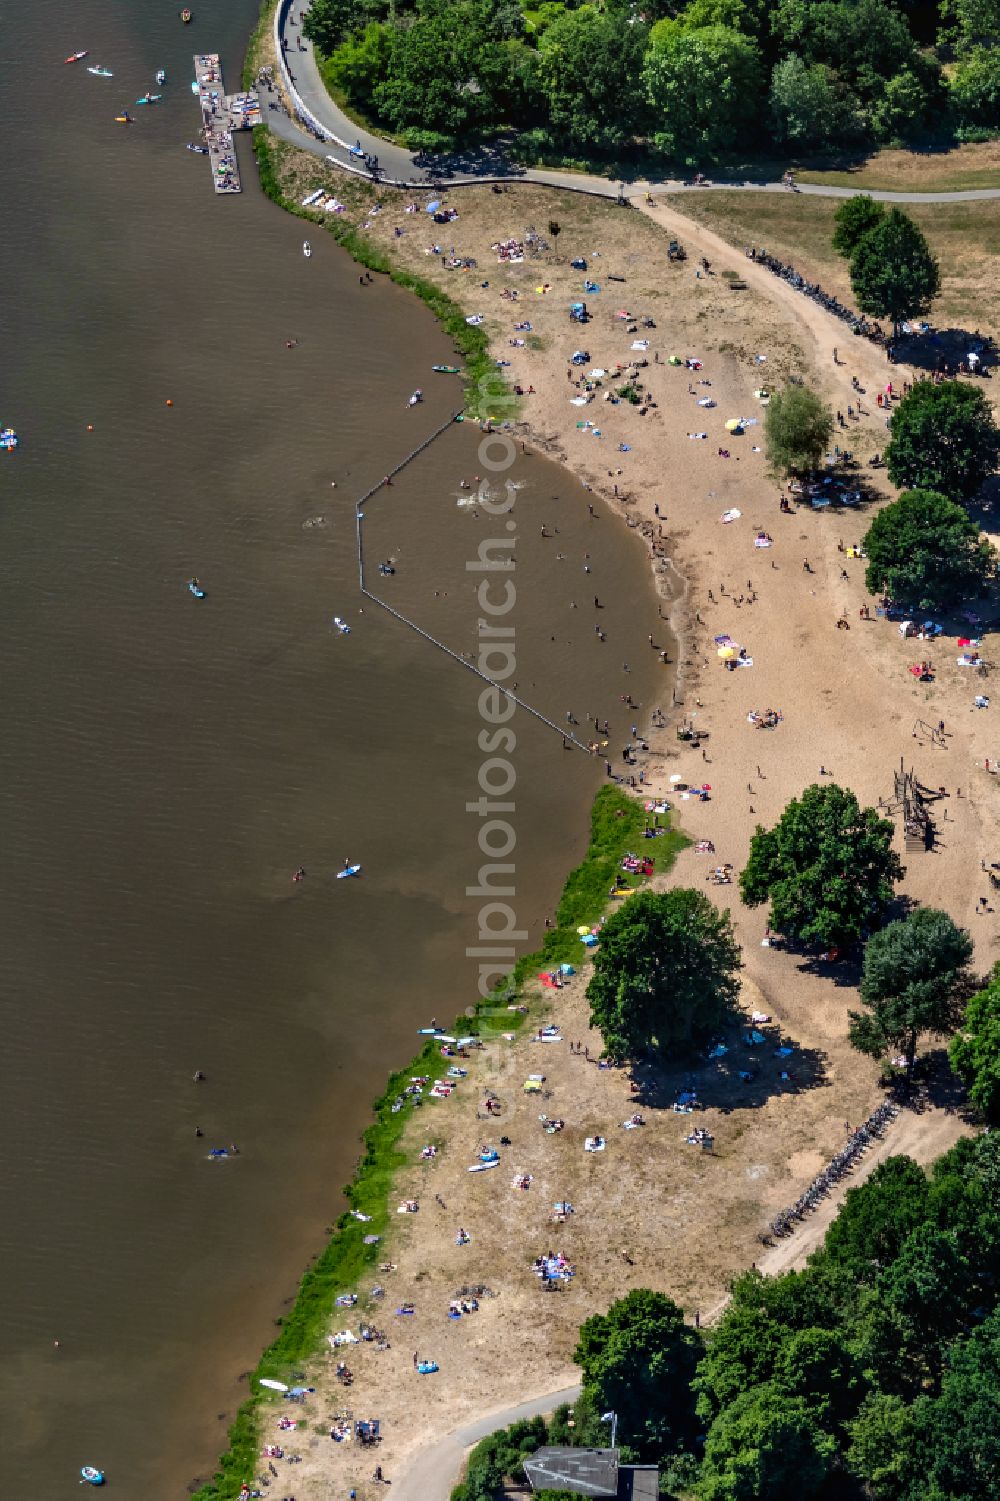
(639, 1483)
(588, 1472)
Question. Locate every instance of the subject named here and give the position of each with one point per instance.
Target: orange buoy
(169, 402)
(90, 427)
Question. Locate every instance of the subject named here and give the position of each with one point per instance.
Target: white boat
(161, 75)
(341, 626)
(415, 398)
(306, 248)
(100, 72)
(91, 1476)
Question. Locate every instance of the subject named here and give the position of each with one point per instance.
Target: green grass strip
(616, 826)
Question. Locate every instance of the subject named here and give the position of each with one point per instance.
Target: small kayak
(446, 369)
(76, 57)
(91, 1476)
(195, 588)
(306, 248)
(348, 870)
(185, 15)
(125, 119)
(416, 398)
(161, 76)
(149, 99)
(101, 72)
(193, 146)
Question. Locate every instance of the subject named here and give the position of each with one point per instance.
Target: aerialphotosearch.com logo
(497, 931)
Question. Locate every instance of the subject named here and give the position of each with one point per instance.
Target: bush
(798, 427)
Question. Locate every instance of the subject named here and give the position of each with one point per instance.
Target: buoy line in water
(565, 734)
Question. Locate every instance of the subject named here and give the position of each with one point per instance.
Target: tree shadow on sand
(946, 350)
(742, 1077)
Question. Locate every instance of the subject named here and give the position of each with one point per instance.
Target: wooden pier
(221, 114)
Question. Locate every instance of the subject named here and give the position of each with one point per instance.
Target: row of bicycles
(859, 325)
(858, 1142)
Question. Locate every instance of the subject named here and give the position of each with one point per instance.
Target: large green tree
(956, 1450)
(449, 71)
(328, 22)
(809, 106)
(703, 85)
(881, 1444)
(893, 273)
(914, 980)
(865, 41)
(975, 89)
(359, 64)
(876, 1219)
(638, 1361)
(798, 427)
(973, 24)
(827, 867)
(854, 218)
(944, 438)
(665, 974)
(765, 1444)
(975, 1049)
(923, 550)
(589, 72)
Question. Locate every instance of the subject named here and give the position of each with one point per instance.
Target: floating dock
(221, 114)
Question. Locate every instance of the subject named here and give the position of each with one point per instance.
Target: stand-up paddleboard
(481, 1167)
(348, 870)
(274, 1386)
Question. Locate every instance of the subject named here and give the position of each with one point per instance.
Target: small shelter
(591, 1472)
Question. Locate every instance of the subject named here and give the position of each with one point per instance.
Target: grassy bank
(617, 822)
(486, 392)
(258, 50)
(965, 237)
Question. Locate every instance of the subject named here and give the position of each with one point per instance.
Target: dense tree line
(875, 1372)
(698, 80)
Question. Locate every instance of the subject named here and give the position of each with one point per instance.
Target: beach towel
(594, 1144)
(731, 515)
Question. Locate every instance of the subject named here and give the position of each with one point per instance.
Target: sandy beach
(650, 1209)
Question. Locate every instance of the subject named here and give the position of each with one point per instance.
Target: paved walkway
(435, 1470)
(401, 167)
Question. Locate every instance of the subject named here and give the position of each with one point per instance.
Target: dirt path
(826, 333)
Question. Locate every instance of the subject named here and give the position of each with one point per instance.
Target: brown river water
(166, 764)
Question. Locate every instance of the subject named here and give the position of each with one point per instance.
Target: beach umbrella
(734, 425)
(433, 207)
(583, 931)
(674, 359)
(726, 653)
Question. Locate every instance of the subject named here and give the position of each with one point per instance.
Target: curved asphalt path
(401, 168)
(435, 1469)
